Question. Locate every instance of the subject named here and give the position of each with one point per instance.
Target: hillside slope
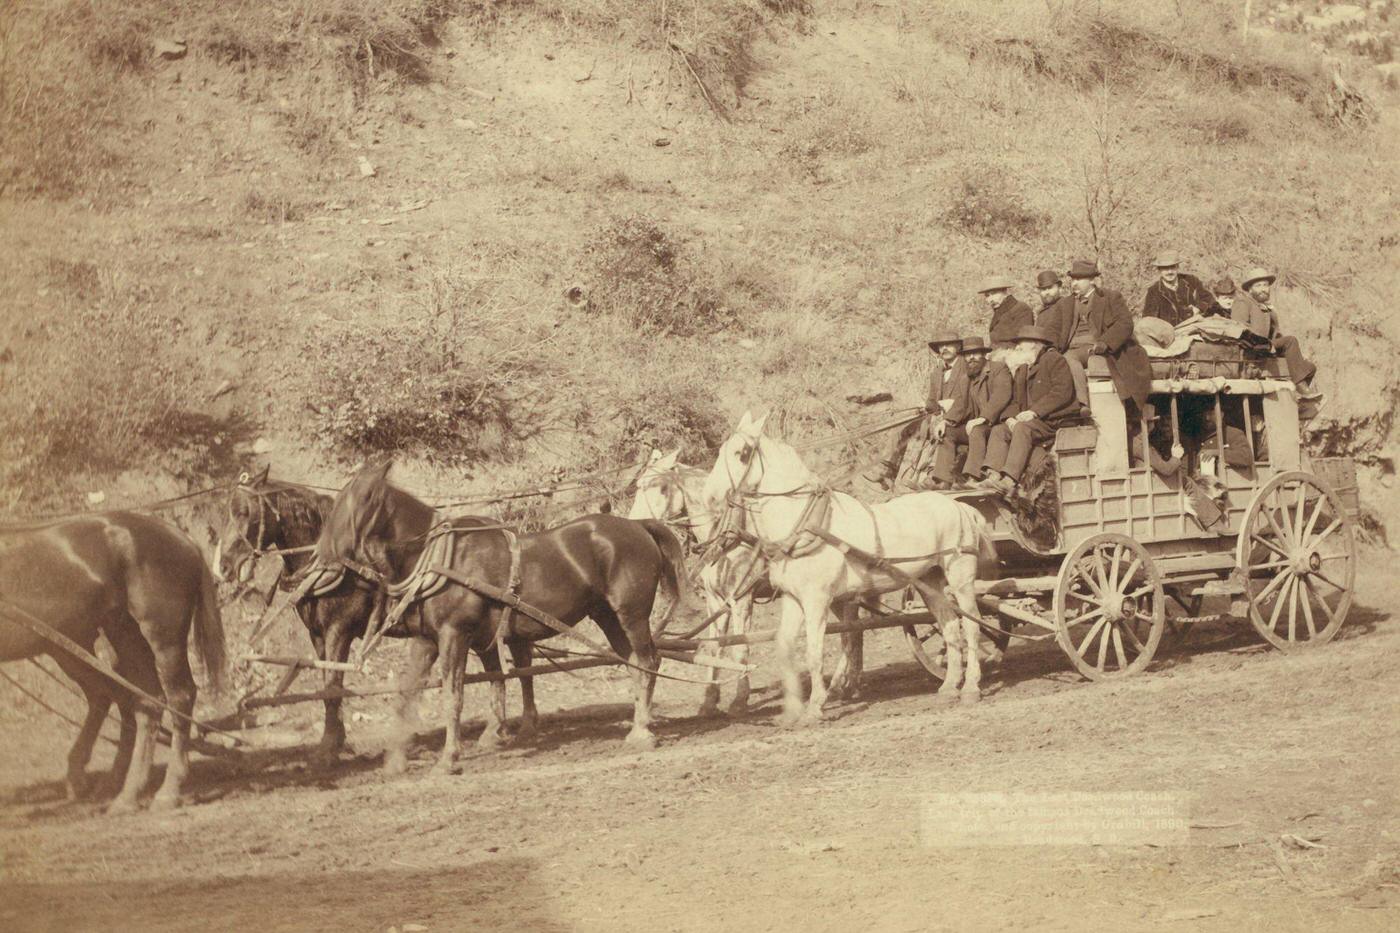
(587, 231)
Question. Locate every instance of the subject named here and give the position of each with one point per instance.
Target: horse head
(357, 516)
(246, 532)
(659, 492)
(740, 465)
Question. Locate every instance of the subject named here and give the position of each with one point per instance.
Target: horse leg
(845, 680)
(739, 617)
(421, 655)
(97, 690)
(785, 652)
(962, 574)
(173, 666)
(815, 614)
(494, 735)
(630, 636)
(136, 663)
(949, 625)
(452, 648)
(333, 646)
(522, 655)
(714, 601)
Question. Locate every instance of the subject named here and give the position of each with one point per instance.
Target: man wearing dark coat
(979, 406)
(946, 379)
(1008, 314)
(1098, 323)
(1176, 296)
(1043, 400)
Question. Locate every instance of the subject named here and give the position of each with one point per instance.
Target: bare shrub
(277, 207)
(95, 391)
(455, 379)
(666, 408)
(642, 274)
(985, 202)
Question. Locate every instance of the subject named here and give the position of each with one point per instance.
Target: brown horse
(268, 517)
(601, 566)
(142, 584)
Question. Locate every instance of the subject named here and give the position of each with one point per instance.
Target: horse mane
(342, 532)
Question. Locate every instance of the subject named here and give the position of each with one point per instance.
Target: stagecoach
(1110, 552)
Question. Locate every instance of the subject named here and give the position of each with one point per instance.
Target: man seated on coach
(945, 381)
(979, 405)
(1255, 310)
(1042, 399)
(1176, 296)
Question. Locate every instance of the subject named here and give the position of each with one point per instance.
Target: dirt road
(1279, 771)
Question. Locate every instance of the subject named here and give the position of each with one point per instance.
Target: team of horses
(458, 585)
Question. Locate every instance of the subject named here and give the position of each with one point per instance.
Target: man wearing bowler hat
(1008, 314)
(1042, 400)
(1254, 309)
(1098, 323)
(946, 381)
(1176, 296)
(978, 407)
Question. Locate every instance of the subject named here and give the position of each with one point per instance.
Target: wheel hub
(1306, 561)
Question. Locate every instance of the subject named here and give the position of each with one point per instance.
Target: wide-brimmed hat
(1084, 269)
(943, 339)
(1047, 278)
(974, 345)
(1166, 260)
(996, 283)
(1034, 333)
(1223, 286)
(1257, 274)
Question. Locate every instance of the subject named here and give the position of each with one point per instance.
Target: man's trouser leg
(945, 460)
(1299, 369)
(998, 443)
(894, 450)
(1081, 379)
(1024, 436)
(977, 438)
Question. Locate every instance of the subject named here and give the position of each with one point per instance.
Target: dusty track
(740, 825)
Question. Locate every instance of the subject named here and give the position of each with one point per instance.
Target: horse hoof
(811, 718)
(491, 741)
(165, 802)
(738, 708)
(395, 764)
(708, 711)
(944, 698)
(445, 769)
(122, 805)
(641, 740)
(526, 729)
(790, 719)
(971, 696)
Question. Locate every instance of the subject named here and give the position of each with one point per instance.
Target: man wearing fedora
(1042, 400)
(1008, 314)
(1176, 296)
(946, 381)
(1098, 323)
(1254, 309)
(979, 405)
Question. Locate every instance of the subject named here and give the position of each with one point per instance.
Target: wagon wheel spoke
(1102, 587)
(1329, 581)
(1268, 544)
(1293, 610)
(1278, 603)
(1308, 529)
(1321, 601)
(1118, 647)
(1103, 646)
(1307, 608)
(1271, 565)
(1084, 645)
(1337, 523)
(1141, 591)
(1132, 571)
(1113, 568)
(1298, 518)
(1278, 580)
(1128, 633)
(1085, 598)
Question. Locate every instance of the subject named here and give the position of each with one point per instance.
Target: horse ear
(655, 455)
(261, 478)
(668, 461)
(745, 422)
(758, 425)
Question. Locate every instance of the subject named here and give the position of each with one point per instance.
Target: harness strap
(513, 587)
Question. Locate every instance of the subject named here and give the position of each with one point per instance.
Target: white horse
(674, 493)
(929, 540)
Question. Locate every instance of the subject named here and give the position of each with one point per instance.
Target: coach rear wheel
(1109, 607)
(1297, 558)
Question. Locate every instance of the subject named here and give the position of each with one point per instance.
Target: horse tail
(977, 526)
(209, 630)
(672, 568)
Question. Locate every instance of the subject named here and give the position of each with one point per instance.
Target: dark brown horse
(600, 566)
(267, 518)
(140, 583)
